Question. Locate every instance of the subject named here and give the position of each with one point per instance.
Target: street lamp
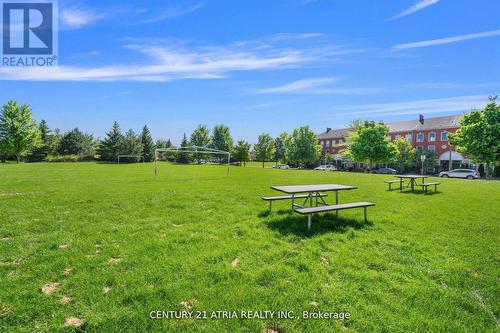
(422, 158)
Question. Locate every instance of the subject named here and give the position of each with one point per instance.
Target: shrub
(62, 158)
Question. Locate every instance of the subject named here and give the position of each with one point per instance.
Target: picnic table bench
(313, 210)
(426, 186)
(316, 191)
(292, 197)
(390, 182)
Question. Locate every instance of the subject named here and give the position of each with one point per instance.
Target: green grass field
(121, 243)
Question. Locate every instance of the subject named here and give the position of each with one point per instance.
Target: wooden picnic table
(413, 181)
(314, 192)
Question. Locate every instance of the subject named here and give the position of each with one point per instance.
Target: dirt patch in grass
(5, 310)
(274, 329)
(63, 246)
(235, 262)
(73, 322)
(68, 271)
(314, 303)
(188, 304)
(115, 260)
(50, 288)
(18, 261)
(106, 290)
(66, 299)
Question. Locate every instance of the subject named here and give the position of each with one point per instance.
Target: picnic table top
(411, 176)
(312, 188)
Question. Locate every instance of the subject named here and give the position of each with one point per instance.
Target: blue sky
(262, 66)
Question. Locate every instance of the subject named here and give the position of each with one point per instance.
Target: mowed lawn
(121, 243)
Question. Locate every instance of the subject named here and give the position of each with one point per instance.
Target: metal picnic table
(413, 181)
(314, 192)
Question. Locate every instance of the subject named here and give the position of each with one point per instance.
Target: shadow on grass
(274, 212)
(297, 224)
(420, 192)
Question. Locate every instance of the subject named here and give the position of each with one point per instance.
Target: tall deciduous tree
(148, 147)
(264, 148)
(221, 139)
(369, 143)
(304, 148)
(18, 130)
(241, 152)
(404, 153)
(479, 135)
(112, 145)
(200, 138)
(281, 144)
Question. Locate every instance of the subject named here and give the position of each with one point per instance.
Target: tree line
(22, 138)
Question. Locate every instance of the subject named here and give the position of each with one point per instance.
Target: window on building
(432, 136)
(322, 143)
(328, 143)
(444, 136)
(390, 137)
(409, 137)
(420, 137)
(431, 148)
(420, 149)
(398, 137)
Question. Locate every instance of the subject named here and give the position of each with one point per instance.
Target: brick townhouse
(423, 133)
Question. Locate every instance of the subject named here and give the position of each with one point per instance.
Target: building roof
(404, 126)
(335, 133)
(429, 124)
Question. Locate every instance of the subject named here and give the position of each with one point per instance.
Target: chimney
(421, 118)
(328, 129)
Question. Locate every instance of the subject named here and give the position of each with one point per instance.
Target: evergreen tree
(39, 153)
(18, 130)
(183, 157)
(132, 145)
(170, 156)
(75, 142)
(148, 147)
(112, 145)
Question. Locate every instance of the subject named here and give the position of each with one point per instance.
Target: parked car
(461, 173)
(282, 166)
(386, 171)
(327, 167)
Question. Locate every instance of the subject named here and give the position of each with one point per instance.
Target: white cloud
(429, 106)
(300, 85)
(79, 17)
(171, 13)
(183, 61)
(415, 8)
(319, 85)
(447, 40)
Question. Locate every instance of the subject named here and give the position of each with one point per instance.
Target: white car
(460, 173)
(282, 166)
(326, 168)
